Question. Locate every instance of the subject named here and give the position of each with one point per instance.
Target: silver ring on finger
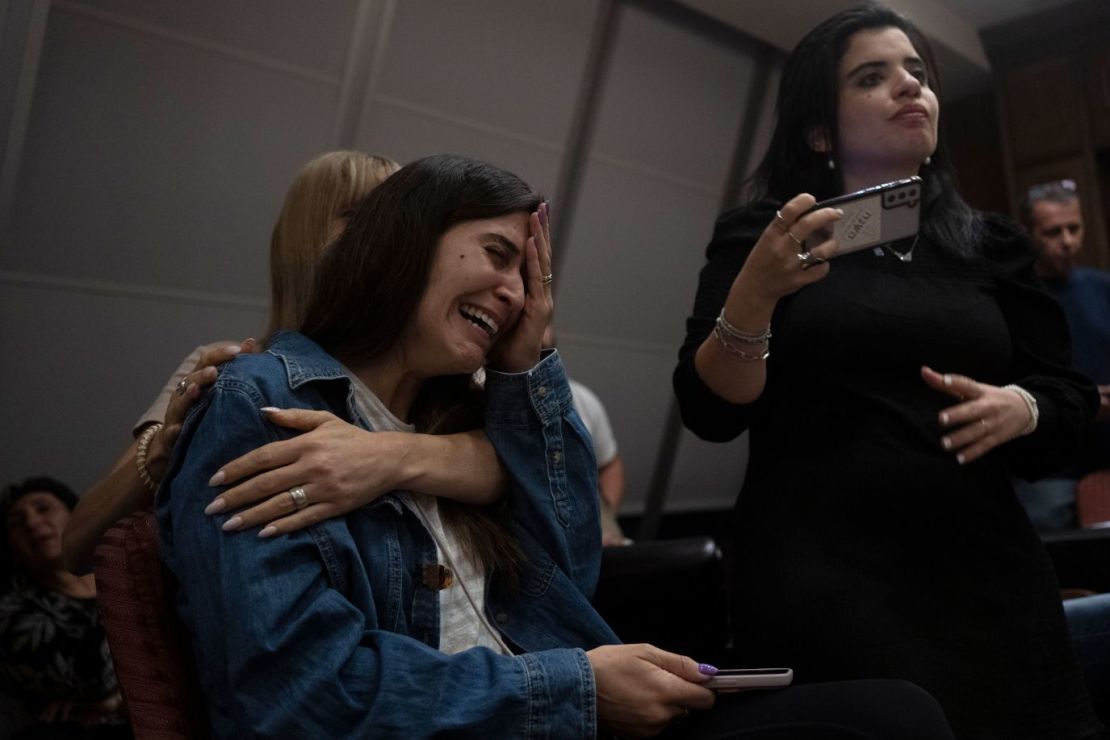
(182, 386)
(805, 257)
(300, 500)
(800, 242)
(781, 221)
(546, 279)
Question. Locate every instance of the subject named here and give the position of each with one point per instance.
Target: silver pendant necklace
(906, 256)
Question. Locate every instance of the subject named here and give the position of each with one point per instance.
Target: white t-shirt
(462, 619)
(597, 422)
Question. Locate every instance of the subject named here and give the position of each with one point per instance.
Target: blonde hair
(324, 189)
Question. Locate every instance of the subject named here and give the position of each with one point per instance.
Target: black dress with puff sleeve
(863, 549)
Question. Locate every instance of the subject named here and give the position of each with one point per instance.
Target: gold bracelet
(140, 455)
(720, 335)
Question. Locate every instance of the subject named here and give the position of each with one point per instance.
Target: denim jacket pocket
(537, 575)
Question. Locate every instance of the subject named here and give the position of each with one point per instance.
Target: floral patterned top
(52, 646)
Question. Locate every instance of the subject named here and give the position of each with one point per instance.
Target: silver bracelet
(140, 455)
(740, 335)
(1031, 404)
(720, 335)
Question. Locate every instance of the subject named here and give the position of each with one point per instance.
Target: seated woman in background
(418, 615)
(337, 465)
(53, 655)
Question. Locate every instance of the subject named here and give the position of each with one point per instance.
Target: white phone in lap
(740, 679)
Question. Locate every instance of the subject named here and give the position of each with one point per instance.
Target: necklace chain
(906, 256)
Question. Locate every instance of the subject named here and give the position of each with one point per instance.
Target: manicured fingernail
(946, 443)
(944, 418)
(839, 211)
(232, 523)
(268, 531)
(707, 670)
(217, 479)
(216, 506)
(961, 459)
(233, 349)
(947, 379)
(269, 409)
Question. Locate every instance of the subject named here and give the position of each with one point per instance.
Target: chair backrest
(150, 647)
(1092, 499)
(670, 593)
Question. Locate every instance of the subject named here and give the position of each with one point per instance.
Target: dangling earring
(928, 161)
(832, 164)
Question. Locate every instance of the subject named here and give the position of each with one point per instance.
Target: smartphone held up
(876, 215)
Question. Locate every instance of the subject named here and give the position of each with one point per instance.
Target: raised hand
(782, 261)
(519, 350)
(986, 417)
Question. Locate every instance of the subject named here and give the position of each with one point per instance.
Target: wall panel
(653, 184)
(81, 365)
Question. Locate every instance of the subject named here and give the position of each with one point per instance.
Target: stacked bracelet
(1031, 404)
(740, 335)
(140, 455)
(726, 334)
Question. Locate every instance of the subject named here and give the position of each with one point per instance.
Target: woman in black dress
(876, 532)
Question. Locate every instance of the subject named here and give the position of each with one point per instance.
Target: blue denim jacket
(329, 632)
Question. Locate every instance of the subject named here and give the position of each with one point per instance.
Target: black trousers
(878, 709)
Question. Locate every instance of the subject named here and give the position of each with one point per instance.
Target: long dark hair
(371, 281)
(807, 103)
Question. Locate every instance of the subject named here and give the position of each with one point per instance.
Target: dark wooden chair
(670, 593)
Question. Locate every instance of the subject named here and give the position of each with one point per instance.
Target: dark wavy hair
(807, 102)
(372, 279)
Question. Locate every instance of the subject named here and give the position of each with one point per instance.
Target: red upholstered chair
(150, 647)
(1092, 500)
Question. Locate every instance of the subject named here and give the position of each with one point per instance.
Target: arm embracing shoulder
(705, 413)
(286, 633)
(1041, 361)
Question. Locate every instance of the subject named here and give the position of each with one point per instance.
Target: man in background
(1052, 214)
